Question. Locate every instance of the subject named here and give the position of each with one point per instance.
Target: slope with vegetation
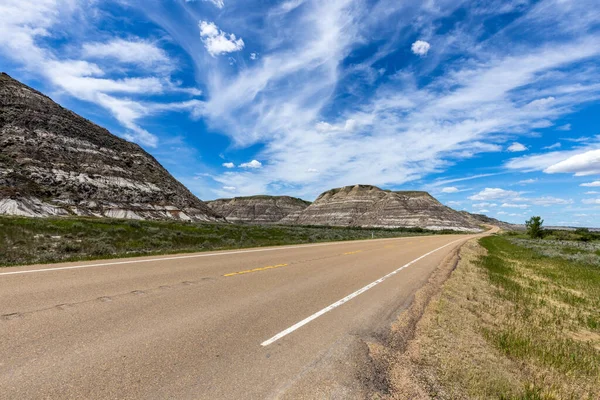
(34, 240)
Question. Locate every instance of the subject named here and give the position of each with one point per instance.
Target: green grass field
(36, 240)
(519, 318)
(552, 289)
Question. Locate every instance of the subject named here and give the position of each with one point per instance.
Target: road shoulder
(357, 366)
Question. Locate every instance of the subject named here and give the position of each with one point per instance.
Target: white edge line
(347, 298)
(224, 253)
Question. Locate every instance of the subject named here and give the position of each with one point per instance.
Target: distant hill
(258, 209)
(54, 162)
(484, 219)
(370, 206)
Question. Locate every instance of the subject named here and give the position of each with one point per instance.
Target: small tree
(534, 227)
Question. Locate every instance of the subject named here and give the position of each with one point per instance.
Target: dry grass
(508, 324)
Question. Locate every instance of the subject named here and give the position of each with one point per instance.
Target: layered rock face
(54, 162)
(258, 209)
(370, 206)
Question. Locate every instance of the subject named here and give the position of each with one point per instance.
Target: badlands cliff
(370, 206)
(258, 209)
(54, 162)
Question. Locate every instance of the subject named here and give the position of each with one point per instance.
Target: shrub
(534, 227)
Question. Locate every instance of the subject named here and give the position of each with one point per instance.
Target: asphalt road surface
(237, 324)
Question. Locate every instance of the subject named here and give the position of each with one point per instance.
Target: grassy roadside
(518, 319)
(35, 240)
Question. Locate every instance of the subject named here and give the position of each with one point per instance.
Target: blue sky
(490, 106)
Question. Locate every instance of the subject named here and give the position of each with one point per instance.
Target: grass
(518, 319)
(35, 240)
(554, 299)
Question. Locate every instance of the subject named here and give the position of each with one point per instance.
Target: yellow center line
(352, 252)
(256, 269)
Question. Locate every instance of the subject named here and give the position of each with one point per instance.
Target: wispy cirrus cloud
(136, 51)
(89, 74)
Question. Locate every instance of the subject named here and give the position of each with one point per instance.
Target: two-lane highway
(233, 324)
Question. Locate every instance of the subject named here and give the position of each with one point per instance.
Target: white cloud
(493, 194)
(541, 103)
(218, 42)
(138, 51)
(484, 205)
(217, 3)
(566, 127)
(590, 201)
(450, 189)
(420, 48)
(229, 188)
(552, 147)
(511, 205)
(312, 170)
(482, 211)
(348, 126)
(591, 184)
(254, 164)
(540, 162)
(516, 147)
(253, 56)
(549, 200)
(527, 181)
(228, 165)
(592, 192)
(442, 182)
(582, 164)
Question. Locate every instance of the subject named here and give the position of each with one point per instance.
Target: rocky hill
(258, 209)
(54, 162)
(370, 206)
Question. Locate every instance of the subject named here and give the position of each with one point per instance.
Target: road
(233, 324)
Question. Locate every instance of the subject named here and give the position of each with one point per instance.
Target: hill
(370, 206)
(55, 163)
(484, 219)
(258, 209)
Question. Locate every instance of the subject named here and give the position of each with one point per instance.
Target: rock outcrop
(54, 162)
(258, 209)
(370, 206)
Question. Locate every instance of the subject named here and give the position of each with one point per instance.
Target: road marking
(225, 253)
(352, 252)
(348, 298)
(256, 269)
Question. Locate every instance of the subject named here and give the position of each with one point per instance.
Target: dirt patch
(586, 336)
